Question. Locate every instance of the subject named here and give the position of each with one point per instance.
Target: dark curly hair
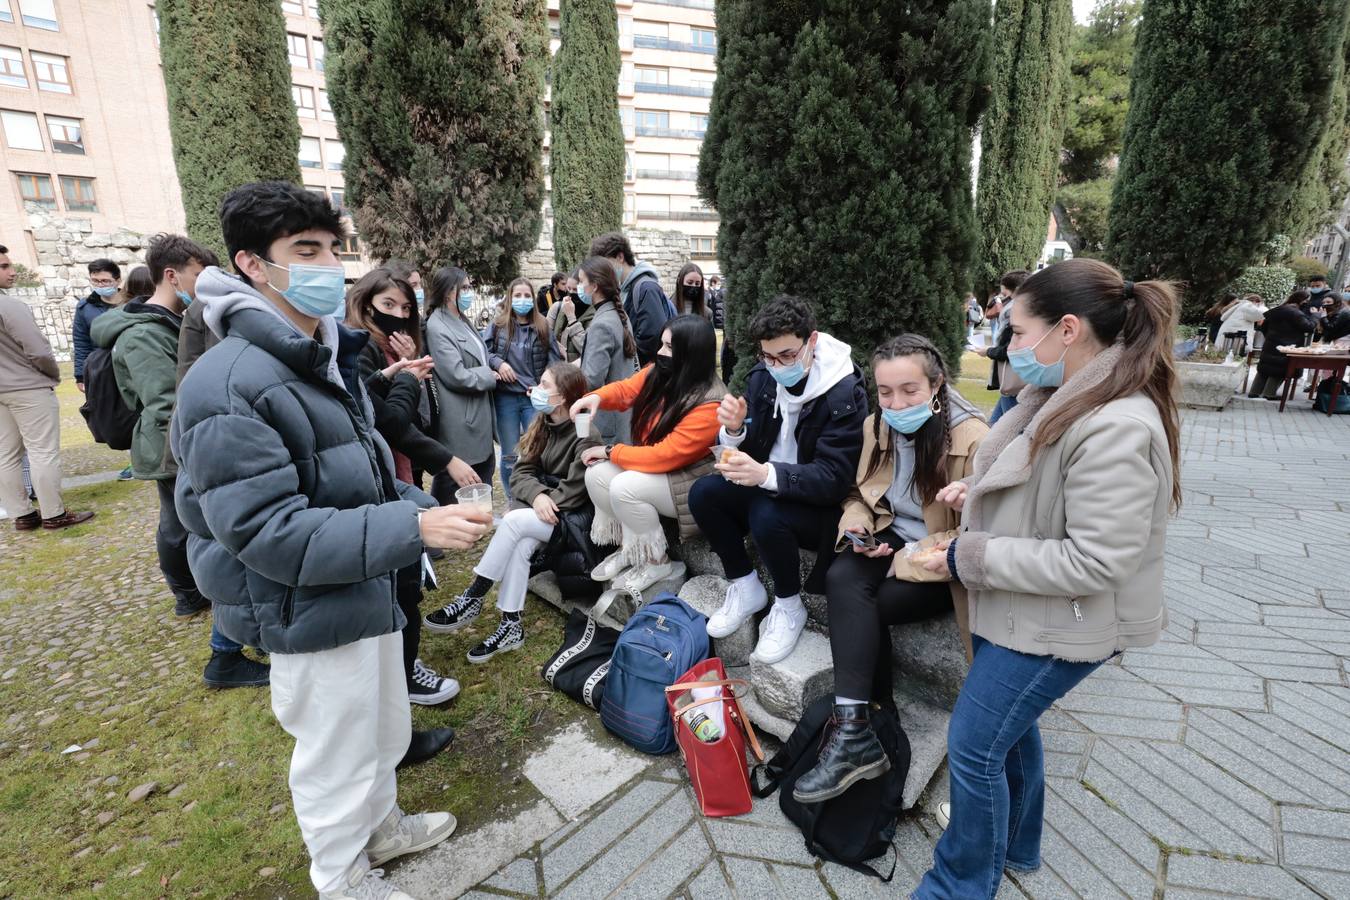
(255, 215)
(784, 314)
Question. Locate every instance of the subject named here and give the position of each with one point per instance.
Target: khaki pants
(30, 421)
(628, 510)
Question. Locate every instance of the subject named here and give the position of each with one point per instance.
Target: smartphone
(865, 541)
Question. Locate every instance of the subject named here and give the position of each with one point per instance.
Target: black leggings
(410, 601)
(864, 602)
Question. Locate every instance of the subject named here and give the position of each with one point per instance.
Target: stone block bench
(928, 659)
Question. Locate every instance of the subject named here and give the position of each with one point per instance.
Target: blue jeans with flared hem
(514, 415)
(997, 771)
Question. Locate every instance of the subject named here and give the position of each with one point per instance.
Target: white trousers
(628, 510)
(30, 420)
(347, 709)
(507, 558)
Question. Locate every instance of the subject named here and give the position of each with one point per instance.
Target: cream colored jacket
(1063, 556)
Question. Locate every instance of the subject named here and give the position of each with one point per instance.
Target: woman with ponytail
(1061, 547)
(923, 436)
(610, 353)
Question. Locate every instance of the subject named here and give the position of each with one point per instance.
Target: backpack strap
(809, 832)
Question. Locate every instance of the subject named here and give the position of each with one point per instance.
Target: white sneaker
(610, 567)
(365, 884)
(944, 815)
(741, 603)
(400, 834)
(778, 634)
(644, 576)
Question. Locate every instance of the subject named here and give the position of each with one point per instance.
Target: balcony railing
(667, 174)
(682, 90)
(684, 215)
(652, 131)
(689, 4)
(651, 42)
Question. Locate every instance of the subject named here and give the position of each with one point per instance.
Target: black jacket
(1336, 326)
(1283, 325)
(396, 403)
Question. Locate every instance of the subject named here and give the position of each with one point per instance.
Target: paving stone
(755, 878)
(1065, 752)
(711, 884)
(563, 860)
(1317, 839)
(1285, 764)
(1181, 798)
(1268, 653)
(762, 843)
(609, 765)
(1114, 701)
(521, 877)
(1254, 584)
(639, 845)
(668, 868)
(1318, 709)
(1197, 877)
(1319, 628)
(1196, 676)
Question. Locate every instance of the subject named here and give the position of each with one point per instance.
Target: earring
(936, 405)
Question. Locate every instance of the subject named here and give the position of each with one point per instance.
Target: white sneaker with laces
(400, 834)
(365, 884)
(778, 634)
(644, 576)
(610, 567)
(944, 815)
(745, 597)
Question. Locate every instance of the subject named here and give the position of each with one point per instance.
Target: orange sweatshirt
(686, 444)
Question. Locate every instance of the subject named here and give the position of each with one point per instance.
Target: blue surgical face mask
(315, 291)
(185, 297)
(789, 376)
(909, 419)
(539, 399)
(522, 305)
(1032, 370)
(466, 298)
(420, 295)
(583, 297)
(106, 291)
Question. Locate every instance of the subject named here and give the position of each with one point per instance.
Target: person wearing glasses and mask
(799, 433)
(105, 278)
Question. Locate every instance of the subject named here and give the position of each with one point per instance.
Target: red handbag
(717, 769)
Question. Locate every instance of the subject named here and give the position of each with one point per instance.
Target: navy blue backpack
(662, 641)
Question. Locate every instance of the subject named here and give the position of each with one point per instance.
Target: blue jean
(1003, 405)
(221, 642)
(997, 770)
(514, 415)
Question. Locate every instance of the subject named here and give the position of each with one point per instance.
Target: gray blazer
(603, 362)
(464, 386)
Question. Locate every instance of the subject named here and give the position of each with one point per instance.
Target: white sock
(848, 701)
(793, 605)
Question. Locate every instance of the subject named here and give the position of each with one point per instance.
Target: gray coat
(603, 362)
(464, 386)
(296, 525)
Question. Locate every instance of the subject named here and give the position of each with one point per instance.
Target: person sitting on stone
(674, 404)
(923, 436)
(798, 435)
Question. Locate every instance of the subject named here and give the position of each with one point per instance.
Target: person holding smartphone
(923, 436)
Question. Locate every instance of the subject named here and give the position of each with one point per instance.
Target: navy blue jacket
(90, 308)
(829, 438)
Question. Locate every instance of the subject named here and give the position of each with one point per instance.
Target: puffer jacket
(143, 339)
(87, 312)
(1063, 555)
(296, 524)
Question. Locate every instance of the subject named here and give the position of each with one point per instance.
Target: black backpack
(109, 418)
(859, 824)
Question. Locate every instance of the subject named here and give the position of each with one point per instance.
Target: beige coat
(865, 508)
(1063, 556)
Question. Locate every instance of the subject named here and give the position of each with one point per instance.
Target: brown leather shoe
(66, 519)
(29, 522)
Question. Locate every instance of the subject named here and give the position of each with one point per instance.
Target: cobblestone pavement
(1214, 763)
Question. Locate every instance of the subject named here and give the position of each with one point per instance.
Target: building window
(67, 135)
(628, 172)
(11, 67)
(39, 13)
(650, 75)
(339, 199)
(325, 111)
(309, 153)
(313, 6)
(5, 14)
(629, 208)
(699, 123)
(304, 100)
(318, 54)
(21, 130)
(336, 153)
(78, 193)
(299, 51)
(36, 189)
(704, 38)
(350, 250)
(650, 118)
(52, 72)
(293, 7)
(703, 246)
(654, 205)
(651, 29)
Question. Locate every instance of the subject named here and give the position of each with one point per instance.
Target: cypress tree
(1228, 102)
(587, 158)
(439, 103)
(231, 116)
(1322, 188)
(838, 157)
(1021, 133)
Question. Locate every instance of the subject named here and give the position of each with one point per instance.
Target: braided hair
(600, 273)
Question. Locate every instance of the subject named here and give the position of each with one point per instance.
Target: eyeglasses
(102, 282)
(781, 359)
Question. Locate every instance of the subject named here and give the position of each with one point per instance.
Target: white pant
(347, 709)
(30, 420)
(628, 510)
(507, 558)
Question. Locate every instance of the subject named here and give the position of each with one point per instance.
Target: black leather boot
(426, 744)
(851, 753)
(232, 669)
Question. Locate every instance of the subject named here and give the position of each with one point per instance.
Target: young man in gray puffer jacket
(297, 527)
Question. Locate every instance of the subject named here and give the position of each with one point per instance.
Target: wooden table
(1335, 363)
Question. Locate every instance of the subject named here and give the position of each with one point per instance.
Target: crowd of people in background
(314, 445)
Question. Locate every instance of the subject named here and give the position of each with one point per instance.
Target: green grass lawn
(972, 380)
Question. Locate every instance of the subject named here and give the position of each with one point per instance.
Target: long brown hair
(700, 304)
(1140, 316)
(361, 305)
(572, 386)
(933, 439)
(600, 273)
(508, 318)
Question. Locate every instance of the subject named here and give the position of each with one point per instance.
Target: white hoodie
(833, 363)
